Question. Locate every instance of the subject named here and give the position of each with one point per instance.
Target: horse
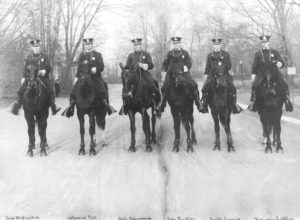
(89, 102)
(179, 98)
(138, 97)
(219, 103)
(36, 103)
(270, 99)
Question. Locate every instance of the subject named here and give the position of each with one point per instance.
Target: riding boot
(204, 103)
(236, 109)
(163, 102)
(197, 100)
(288, 104)
(17, 105)
(110, 110)
(69, 111)
(252, 105)
(123, 110)
(54, 108)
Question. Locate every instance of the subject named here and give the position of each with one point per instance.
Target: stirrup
(288, 105)
(236, 109)
(110, 110)
(68, 112)
(15, 108)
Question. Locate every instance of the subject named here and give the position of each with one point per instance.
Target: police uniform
(86, 61)
(218, 63)
(179, 57)
(133, 62)
(41, 61)
(266, 60)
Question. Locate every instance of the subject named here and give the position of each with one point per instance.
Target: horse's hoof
(279, 150)
(148, 149)
(43, 153)
(131, 149)
(81, 151)
(92, 152)
(30, 153)
(190, 149)
(175, 149)
(217, 147)
(231, 149)
(268, 150)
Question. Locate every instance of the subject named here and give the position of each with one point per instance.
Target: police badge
(182, 56)
(93, 58)
(219, 63)
(144, 57)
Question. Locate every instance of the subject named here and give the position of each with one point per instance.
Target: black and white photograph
(149, 110)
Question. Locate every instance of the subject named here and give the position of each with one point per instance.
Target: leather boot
(288, 104)
(110, 110)
(54, 108)
(163, 102)
(16, 106)
(252, 105)
(69, 111)
(236, 109)
(197, 101)
(204, 103)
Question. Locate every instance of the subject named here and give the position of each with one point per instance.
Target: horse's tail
(100, 119)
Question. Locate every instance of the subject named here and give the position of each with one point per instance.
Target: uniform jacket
(178, 56)
(265, 59)
(136, 57)
(42, 62)
(89, 60)
(217, 63)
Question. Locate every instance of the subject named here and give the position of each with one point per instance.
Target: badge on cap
(220, 63)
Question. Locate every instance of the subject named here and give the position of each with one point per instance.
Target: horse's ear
(121, 65)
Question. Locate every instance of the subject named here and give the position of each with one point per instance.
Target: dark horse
(89, 102)
(220, 109)
(270, 99)
(181, 102)
(138, 97)
(36, 103)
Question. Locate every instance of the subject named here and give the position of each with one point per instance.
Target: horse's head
(220, 88)
(32, 74)
(128, 80)
(177, 73)
(269, 89)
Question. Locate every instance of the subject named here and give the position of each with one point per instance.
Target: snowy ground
(161, 185)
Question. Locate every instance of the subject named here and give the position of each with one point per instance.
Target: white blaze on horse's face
(36, 49)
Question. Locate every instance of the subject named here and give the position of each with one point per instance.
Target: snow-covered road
(160, 185)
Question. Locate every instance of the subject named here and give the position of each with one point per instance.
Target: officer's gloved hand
(94, 70)
(185, 69)
(42, 72)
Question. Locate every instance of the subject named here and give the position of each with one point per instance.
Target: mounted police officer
(41, 61)
(179, 56)
(89, 62)
(216, 61)
(268, 59)
(142, 61)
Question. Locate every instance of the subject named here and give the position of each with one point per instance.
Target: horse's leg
(274, 142)
(153, 122)
(42, 125)
(191, 120)
(279, 148)
(92, 133)
(100, 120)
(188, 133)
(225, 120)
(268, 126)
(146, 128)
(176, 118)
(263, 127)
(31, 132)
(217, 130)
(132, 129)
(80, 116)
